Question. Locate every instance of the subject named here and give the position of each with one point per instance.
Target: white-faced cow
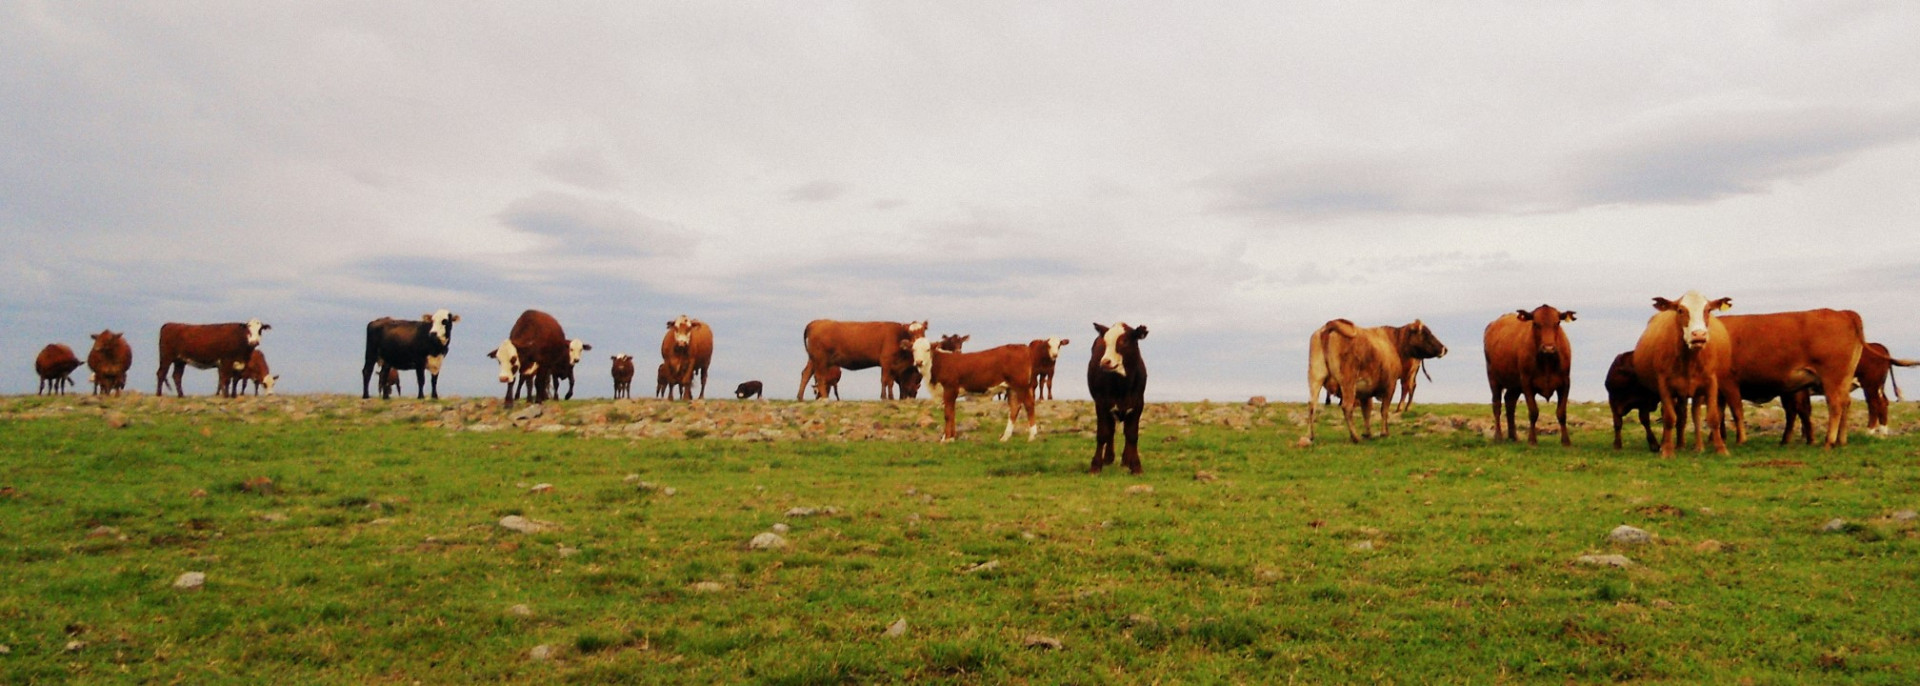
(860, 345)
(416, 344)
(1117, 379)
(576, 349)
(1359, 366)
(948, 375)
(256, 371)
(1685, 355)
(1778, 354)
(224, 348)
(687, 350)
(622, 376)
(533, 349)
(109, 361)
(1528, 354)
(1626, 394)
(55, 364)
(1046, 355)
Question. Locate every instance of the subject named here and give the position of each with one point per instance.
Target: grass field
(376, 553)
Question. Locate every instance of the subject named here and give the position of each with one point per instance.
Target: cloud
(816, 191)
(579, 226)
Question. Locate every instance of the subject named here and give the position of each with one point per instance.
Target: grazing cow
(55, 364)
(256, 371)
(109, 360)
(687, 349)
(1359, 366)
(1528, 354)
(534, 348)
(950, 374)
(389, 381)
(1686, 355)
(1626, 394)
(622, 376)
(749, 389)
(1117, 379)
(860, 345)
(1872, 376)
(224, 348)
(416, 344)
(827, 383)
(1046, 354)
(663, 381)
(1775, 355)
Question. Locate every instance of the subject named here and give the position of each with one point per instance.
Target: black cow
(416, 344)
(1117, 378)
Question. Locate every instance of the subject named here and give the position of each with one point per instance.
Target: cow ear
(1662, 304)
(1524, 315)
(495, 354)
(264, 327)
(1064, 341)
(428, 317)
(965, 338)
(1722, 304)
(1567, 316)
(585, 347)
(95, 337)
(453, 319)
(1139, 332)
(1099, 328)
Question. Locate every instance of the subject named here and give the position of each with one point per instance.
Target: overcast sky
(1230, 175)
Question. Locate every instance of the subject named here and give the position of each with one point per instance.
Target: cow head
(254, 327)
(440, 324)
(1419, 342)
(1694, 312)
(952, 342)
(574, 348)
(917, 329)
(106, 340)
(266, 384)
(1546, 328)
(1053, 347)
(682, 330)
(509, 357)
(1115, 345)
(922, 350)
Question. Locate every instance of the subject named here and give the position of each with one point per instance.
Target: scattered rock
(1042, 642)
(1834, 526)
(779, 528)
(482, 428)
(198, 493)
(707, 587)
(1604, 561)
(669, 491)
(541, 488)
(75, 646)
(767, 541)
(1906, 516)
(989, 565)
(520, 610)
(102, 531)
(190, 581)
(1627, 535)
(524, 525)
(117, 419)
(1140, 489)
(567, 551)
(802, 512)
(1257, 401)
(1708, 546)
(1361, 546)
(1204, 476)
(897, 629)
(534, 411)
(1663, 604)
(553, 429)
(6, 650)
(542, 652)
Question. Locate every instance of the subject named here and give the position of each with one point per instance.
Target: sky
(1230, 175)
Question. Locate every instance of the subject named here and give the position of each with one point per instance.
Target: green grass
(376, 556)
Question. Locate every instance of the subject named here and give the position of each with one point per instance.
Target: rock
(1708, 546)
(802, 512)
(1257, 401)
(75, 646)
(541, 488)
(707, 587)
(1361, 546)
(534, 411)
(1604, 561)
(1627, 535)
(668, 491)
(553, 429)
(897, 629)
(767, 541)
(6, 650)
(781, 528)
(567, 551)
(1042, 642)
(520, 610)
(102, 531)
(1906, 516)
(1204, 476)
(1662, 604)
(1834, 526)
(482, 427)
(524, 525)
(1140, 489)
(190, 581)
(989, 565)
(542, 652)
(117, 419)
(198, 493)
(635, 479)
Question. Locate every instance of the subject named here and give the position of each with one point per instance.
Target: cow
(109, 360)
(224, 348)
(389, 381)
(1686, 355)
(576, 349)
(256, 371)
(1528, 354)
(534, 348)
(622, 376)
(55, 364)
(1625, 394)
(1117, 380)
(1360, 366)
(663, 381)
(749, 389)
(687, 350)
(1046, 354)
(950, 374)
(1777, 354)
(826, 383)
(1872, 376)
(860, 345)
(416, 344)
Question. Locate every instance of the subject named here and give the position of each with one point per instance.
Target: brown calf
(1046, 355)
(256, 371)
(109, 361)
(224, 348)
(1528, 354)
(1625, 394)
(1872, 376)
(1685, 355)
(1359, 366)
(622, 376)
(950, 374)
(54, 364)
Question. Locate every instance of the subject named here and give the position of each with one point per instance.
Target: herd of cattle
(1690, 361)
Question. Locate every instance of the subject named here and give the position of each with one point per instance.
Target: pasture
(349, 541)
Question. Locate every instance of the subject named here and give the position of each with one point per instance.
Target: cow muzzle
(1696, 340)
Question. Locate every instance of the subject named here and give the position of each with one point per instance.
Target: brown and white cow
(749, 389)
(860, 345)
(417, 344)
(687, 350)
(224, 348)
(109, 361)
(256, 371)
(1361, 365)
(1626, 394)
(950, 374)
(1528, 354)
(1872, 376)
(622, 376)
(1686, 355)
(1046, 355)
(55, 364)
(533, 349)
(576, 349)
(1117, 380)
(1778, 354)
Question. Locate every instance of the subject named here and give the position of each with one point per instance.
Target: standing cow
(1007, 368)
(109, 361)
(860, 345)
(1872, 376)
(1359, 366)
(1117, 379)
(55, 364)
(224, 348)
(416, 344)
(663, 381)
(1046, 355)
(576, 349)
(1626, 394)
(1778, 354)
(1685, 355)
(1528, 354)
(687, 351)
(622, 376)
(533, 349)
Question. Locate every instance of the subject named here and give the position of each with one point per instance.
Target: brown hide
(950, 374)
(663, 381)
(1775, 355)
(1670, 365)
(1626, 394)
(542, 345)
(1360, 366)
(622, 376)
(389, 382)
(826, 382)
(220, 347)
(54, 363)
(686, 360)
(1527, 355)
(860, 345)
(1872, 375)
(109, 361)
(256, 371)
(1044, 364)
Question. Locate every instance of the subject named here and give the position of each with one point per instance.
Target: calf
(622, 376)
(535, 347)
(55, 364)
(1778, 354)
(949, 374)
(687, 350)
(109, 360)
(1359, 366)
(1046, 354)
(749, 389)
(417, 344)
(224, 348)
(1528, 354)
(1626, 394)
(256, 371)
(389, 381)
(826, 383)
(663, 382)
(1117, 379)
(1685, 355)
(860, 345)
(576, 348)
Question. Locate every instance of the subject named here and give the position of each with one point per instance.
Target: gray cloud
(575, 225)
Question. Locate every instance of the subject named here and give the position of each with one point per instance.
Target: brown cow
(1685, 354)
(55, 364)
(1046, 355)
(224, 348)
(390, 382)
(1528, 354)
(860, 345)
(622, 376)
(1359, 366)
(534, 348)
(687, 349)
(1872, 376)
(950, 374)
(663, 384)
(256, 371)
(1775, 355)
(1625, 394)
(109, 360)
(1117, 379)
(826, 383)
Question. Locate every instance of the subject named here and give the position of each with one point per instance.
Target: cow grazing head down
(509, 357)
(1546, 328)
(1114, 343)
(574, 349)
(254, 327)
(1694, 311)
(440, 324)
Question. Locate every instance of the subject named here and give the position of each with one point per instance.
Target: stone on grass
(1627, 535)
(1042, 642)
(1361, 546)
(524, 525)
(1834, 526)
(1204, 476)
(541, 488)
(987, 566)
(567, 551)
(102, 531)
(117, 419)
(1906, 516)
(520, 610)
(802, 512)
(190, 581)
(1139, 489)
(530, 412)
(898, 628)
(707, 587)
(75, 646)
(543, 651)
(1708, 546)
(781, 528)
(1604, 561)
(767, 541)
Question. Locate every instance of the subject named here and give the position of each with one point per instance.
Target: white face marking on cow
(574, 348)
(1053, 348)
(509, 357)
(253, 331)
(1110, 360)
(1696, 307)
(433, 364)
(267, 383)
(439, 328)
(923, 360)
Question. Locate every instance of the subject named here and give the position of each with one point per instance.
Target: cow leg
(806, 374)
(179, 372)
(420, 384)
(1533, 417)
(1496, 411)
(1131, 456)
(703, 383)
(947, 401)
(1033, 423)
(1669, 414)
(366, 379)
(1512, 401)
(1560, 413)
(1102, 436)
(1619, 419)
(1839, 401)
